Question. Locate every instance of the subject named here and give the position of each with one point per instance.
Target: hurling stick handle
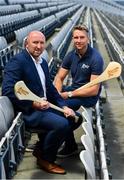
(61, 110)
(56, 107)
(23, 93)
(39, 99)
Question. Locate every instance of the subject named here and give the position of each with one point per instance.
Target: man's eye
(75, 37)
(81, 37)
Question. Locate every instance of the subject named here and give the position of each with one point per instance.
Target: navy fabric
(76, 102)
(57, 127)
(81, 70)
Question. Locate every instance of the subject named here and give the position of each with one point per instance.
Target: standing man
(84, 63)
(33, 70)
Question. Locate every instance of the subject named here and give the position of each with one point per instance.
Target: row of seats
(13, 22)
(102, 146)
(2, 2)
(11, 139)
(61, 41)
(16, 8)
(46, 25)
(42, 5)
(4, 10)
(111, 38)
(7, 30)
(49, 2)
(117, 33)
(17, 16)
(116, 20)
(34, 21)
(88, 154)
(93, 156)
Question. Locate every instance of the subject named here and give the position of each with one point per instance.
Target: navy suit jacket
(22, 67)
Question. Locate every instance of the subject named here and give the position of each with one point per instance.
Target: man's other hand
(41, 105)
(64, 95)
(68, 112)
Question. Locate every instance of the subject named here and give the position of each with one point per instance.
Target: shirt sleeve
(97, 65)
(66, 63)
(12, 74)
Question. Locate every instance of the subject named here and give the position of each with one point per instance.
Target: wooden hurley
(113, 70)
(23, 93)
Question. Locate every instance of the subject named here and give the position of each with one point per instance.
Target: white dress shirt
(40, 73)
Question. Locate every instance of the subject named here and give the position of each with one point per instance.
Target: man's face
(80, 39)
(35, 44)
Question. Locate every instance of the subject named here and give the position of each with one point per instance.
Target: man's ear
(25, 42)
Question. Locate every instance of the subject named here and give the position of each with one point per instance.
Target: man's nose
(39, 45)
(79, 39)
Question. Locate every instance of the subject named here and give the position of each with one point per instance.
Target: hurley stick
(113, 70)
(23, 93)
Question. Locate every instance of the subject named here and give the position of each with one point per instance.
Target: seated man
(84, 63)
(33, 70)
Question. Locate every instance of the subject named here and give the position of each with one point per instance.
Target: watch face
(69, 94)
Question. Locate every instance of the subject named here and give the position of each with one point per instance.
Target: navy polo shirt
(81, 68)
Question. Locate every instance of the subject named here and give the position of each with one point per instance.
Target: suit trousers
(57, 129)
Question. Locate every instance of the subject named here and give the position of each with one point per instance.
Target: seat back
(7, 109)
(4, 159)
(86, 141)
(88, 163)
(87, 114)
(3, 125)
(87, 127)
(12, 129)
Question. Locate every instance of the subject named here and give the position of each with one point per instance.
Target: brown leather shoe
(50, 167)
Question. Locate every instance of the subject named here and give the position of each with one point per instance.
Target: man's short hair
(81, 27)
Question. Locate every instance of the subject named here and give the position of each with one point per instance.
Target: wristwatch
(70, 94)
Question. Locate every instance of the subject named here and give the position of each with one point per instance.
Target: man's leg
(70, 146)
(57, 128)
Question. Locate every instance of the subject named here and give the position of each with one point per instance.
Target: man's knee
(78, 122)
(63, 125)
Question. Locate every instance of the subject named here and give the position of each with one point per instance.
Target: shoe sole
(29, 150)
(50, 171)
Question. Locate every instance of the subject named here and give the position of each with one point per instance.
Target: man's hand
(64, 95)
(41, 105)
(68, 111)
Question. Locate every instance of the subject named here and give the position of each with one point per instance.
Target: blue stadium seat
(15, 138)
(3, 125)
